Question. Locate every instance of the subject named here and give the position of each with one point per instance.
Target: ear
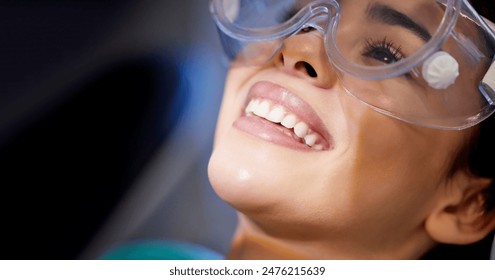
(459, 216)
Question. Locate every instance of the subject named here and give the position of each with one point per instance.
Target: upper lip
(292, 102)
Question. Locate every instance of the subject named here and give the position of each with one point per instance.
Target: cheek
(384, 149)
(233, 99)
(392, 165)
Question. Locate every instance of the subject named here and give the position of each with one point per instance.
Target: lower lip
(270, 132)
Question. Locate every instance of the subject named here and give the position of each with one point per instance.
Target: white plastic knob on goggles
(425, 62)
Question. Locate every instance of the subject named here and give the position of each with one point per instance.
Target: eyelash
(383, 45)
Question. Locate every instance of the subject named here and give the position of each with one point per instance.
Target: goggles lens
(426, 62)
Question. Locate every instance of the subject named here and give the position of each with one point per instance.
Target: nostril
(301, 65)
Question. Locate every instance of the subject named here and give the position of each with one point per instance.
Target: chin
(242, 175)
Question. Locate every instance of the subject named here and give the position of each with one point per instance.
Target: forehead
(425, 11)
(428, 13)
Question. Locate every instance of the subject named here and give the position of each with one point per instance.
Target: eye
(383, 51)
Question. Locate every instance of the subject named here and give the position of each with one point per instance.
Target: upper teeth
(280, 115)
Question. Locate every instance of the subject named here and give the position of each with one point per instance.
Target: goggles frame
(324, 16)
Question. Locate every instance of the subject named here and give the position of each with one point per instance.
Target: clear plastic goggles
(426, 62)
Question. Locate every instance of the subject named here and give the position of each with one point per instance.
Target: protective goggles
(425, 62)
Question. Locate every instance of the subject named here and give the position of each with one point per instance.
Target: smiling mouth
(279, 115)
(276, 115)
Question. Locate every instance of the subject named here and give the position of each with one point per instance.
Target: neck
(253, 243)
(248, 247)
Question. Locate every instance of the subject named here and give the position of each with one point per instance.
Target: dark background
(90, 92)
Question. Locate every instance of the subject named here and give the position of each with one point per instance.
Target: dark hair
(477, 157)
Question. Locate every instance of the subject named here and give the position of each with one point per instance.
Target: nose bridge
(321, 13)
(304, 55)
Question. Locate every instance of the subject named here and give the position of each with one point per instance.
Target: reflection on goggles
(426, 62)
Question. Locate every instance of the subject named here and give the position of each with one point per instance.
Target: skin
(370, 194)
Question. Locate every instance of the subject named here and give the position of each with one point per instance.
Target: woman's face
(308, 160)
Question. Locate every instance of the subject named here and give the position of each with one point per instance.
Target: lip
(276, 133)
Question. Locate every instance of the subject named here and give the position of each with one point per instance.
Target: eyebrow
(390, 16)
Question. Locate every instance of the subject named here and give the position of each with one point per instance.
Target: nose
(303, 55)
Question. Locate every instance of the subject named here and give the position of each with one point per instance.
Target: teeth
(301, 129)
(289, 121)
(278, 114)
(253, 104)
(263, 109)
(249, 107)
(310, 139)
(318, 147)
